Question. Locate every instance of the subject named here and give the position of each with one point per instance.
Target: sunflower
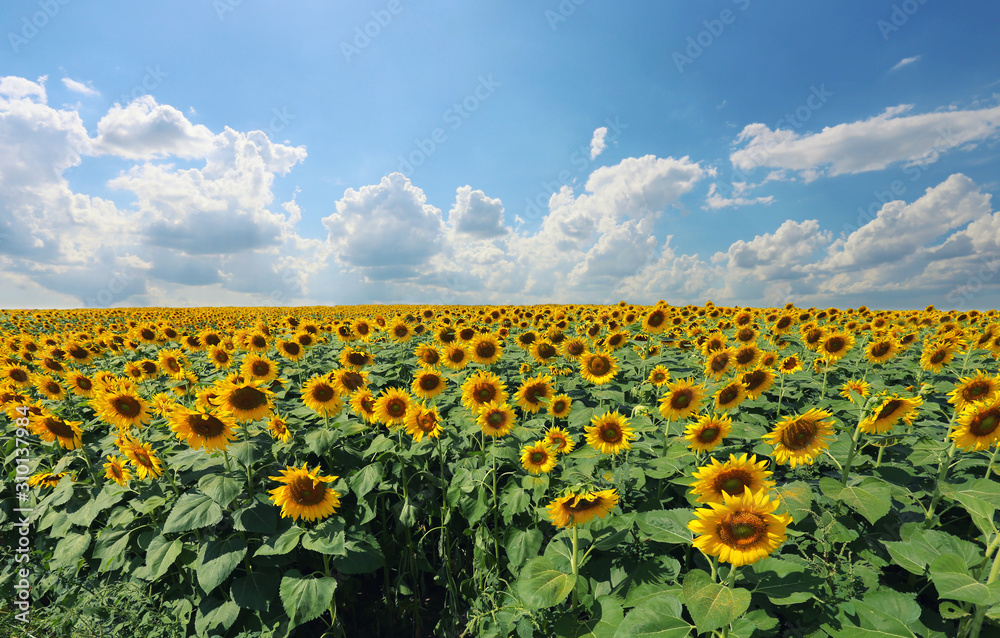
(534, 392)
(220, 358)
(421, 420)
(116, 471)
(428, 355)
(892, 409)
(47, 385)
(142, 457)
(713, 342)
(391, 406)
(485, 349)
(428, 383)
(757, 381)
(783, 325)
(655, 321)
(133, 371)
(305, 494)
(482, 388)
(291, 350)
(598, 367)
(707, 432)
(79, 383)
(400, 331)
(732, 477)
(978, 387)
(538, 458)
(682, 399)
(559, 440)
(256, 342)
(573, 348)
(746, 357)
(19, 375)
(768, 359)
(856, 386)
(978, 425)
(122, 406)
(543, 351)
(52, 428)
(355, 359)
(937, 355)
(790, 364)
(320, 396)
(577, 509)
(203, 429)
(742, 529)
(47, 479)
(881, 350)
(836, 345)
(247, 400)
(730, 395)
(719, 362)
(560, 406)
(278, 427)
(800, 439)
(363, 404)
(496, 419)
(610, 433)
(456, 357)
(659, 376)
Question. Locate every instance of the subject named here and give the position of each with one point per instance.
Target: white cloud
(597, 143)
(476, 215)
(866, 145)
(17, 88)
(79, 87)
(715, 201)
(147, 130)
(905, 61)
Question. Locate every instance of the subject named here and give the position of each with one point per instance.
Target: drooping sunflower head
(305, 494)
(610, 433)
(496, 419)
(978, 425)
(278, 427)
(894, 408)
(52, 428)
(579, 508)
(732, 477)
(800, 439)
(708, 431)
(559, 440)
(741, 530)
(682, 399)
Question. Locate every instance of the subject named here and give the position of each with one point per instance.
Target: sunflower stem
(574, 565)
(666, 434)
(496, 509)
(942, 474)
(989, 466)
(878, 459)
(977, 622)
(850, 455)
(781, 394)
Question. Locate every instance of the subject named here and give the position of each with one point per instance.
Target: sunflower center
(889, 409)
(708, 435)
(207, 426)
(78, 353)
(247, 398)
(533, 393)
(939, 356)
(575, 348)
(835, 344)
(611, 434)
(142, 458)
(728, 395)
(732, 482)
(559, 406)
(598, 365)
(813, 335)
(427, 422)
(681, 399)
(495, 419)
(429, 382)
(975, 389)
(585, 504)
(783, 323)
(84, 383)
(546, 351)
(260, 369)
(306, 491)
(485, 393)
(798, 435)
(456, 356)
(985, 423)
(352, 380)
(658, 377)
(741, 529)
(486, 350)
(656, 319)
(222, 356)
(59, 428)
(401, 331)
(396, 407)
(323, 393)
(880, 348)
(148, 334)
(18, 375)
(744, 357)
(292, 348)
(126, 405)
(538, 457)
(719, 362)
(754, 380)
(558, 442)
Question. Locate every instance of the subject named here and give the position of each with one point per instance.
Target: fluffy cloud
(715, 200)
(597, 143)
(146, 130)
(476, 215)
(867, 145)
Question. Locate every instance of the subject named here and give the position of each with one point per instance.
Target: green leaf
(644, 592)
(541, 585)
(521, 544)
(713, 605)
(160, 555)
(952, 579)
(260, 517)
(305, 597)
(221, 489)
(951, 611)
(217, 559)
(110, 548)
(666, 526)
(366, 479)
(602, 624)
(653, 619)
(890, 611)
(514, 501)
(320, 441)
(362, 555)
(255, 590)
(919, 550)
(212, 614)
(282, 543)
(70, 550)
(326, 538)
(782, 581)
(871, 497)
(797, 497)
(191, 512)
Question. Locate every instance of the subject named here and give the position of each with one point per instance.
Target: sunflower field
(560, 470)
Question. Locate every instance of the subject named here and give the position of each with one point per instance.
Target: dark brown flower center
(125, 406)
(206, 425)
(611, 433)
(429, 382)
(745, 356)
(708, 435)
(396, 407)
(292, 348)
(496, 419)
(783, 323)
(656, 318)
(486, 350)
(59, 428)
(306, 491)
(742, 529)
(247, 398)
(798, 435)
(598, 365)
(889, 409)
(260, 368)
(18, 375)
(457, 355)
(546, 351)
(323, 393)
(938, 356)
(728, 394)
(719, 362)
(576, 348)
(538, 457)
(975, 389)
(681, 398)
(835, 344)
(352, 380)
(732, 482)
(753, 380)
(984, 423)
(881, 348)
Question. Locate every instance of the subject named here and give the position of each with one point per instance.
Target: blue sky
(234, 152)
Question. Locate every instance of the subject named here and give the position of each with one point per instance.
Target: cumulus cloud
(17, 88)
(146, 130)
(867, 145)
(476, 215)
(597, 143)
(715, 200)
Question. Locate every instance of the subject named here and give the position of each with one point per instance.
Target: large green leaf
(366, 479)
(952, 579)
(918, 551)
(256, 590)
(797, 497)
(213, 614)
(654, 619)
(217, 559)
(871, 497)
(604, 619)
(70, 550)
(160, 555)
(541, 585)
(191, 512)
(305, 597)
(362, 555)
(282, 543)
(221, 489)
(521, 544)
(710, 604)
(259, 517)
(326, 538)
(666, 526)
(782, 581)
(110, 548)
